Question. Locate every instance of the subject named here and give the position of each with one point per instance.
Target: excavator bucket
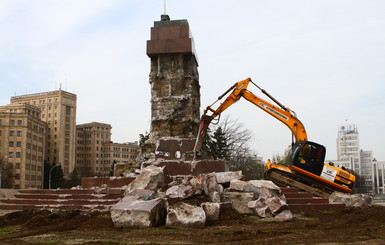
(203, 126)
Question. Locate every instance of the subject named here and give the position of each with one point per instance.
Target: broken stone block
(226, 177)
(208, 166)
(357, 200)
(284, 215)
(239, 201)
(214, 209)
(255, 185)
(180, 191)
(185, 215)
(276, 204)
(197, 183)
(130, 212)
(151, 178)
(238, 185)
(142, 194)
(211, 188)
(260, 208)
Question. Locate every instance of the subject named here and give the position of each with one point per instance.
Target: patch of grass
(326, 211)
(49, 242)
(7, 229)
(284, 231)
(309, 218)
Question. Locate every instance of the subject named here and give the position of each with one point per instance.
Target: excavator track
(282, 178)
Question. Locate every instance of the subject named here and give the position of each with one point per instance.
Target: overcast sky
(324, 59)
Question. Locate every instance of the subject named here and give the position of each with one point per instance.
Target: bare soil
(349, 226)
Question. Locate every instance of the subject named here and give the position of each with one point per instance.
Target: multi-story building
(22, 145)
(95, 152)
(348, 148)
(58, 109)
(379, 176)
(352, 157)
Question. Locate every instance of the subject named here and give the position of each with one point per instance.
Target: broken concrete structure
(185, 215)
(356, 200)
(133, 211)
(174, 79)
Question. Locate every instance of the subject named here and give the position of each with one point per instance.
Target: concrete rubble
(150, 202)
(133, 211)
(356, 200)
(260, 197)
(185, 215)
(151, 178)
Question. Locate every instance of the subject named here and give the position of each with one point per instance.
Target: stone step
(306, 200)
(61, 201)
(289, 190)
(299, 200)
(53, 206)
(298, 195)
(67, 196)
(70, 199)
(57, 191)
(316, 206)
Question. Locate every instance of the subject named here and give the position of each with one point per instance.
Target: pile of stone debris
(149, 201)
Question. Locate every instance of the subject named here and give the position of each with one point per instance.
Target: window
(18, 144)
(18, 154)
(19, 122)
(18, 133)
(10, 144)
(10, 154)
(17, 176)
(12, 123)
(0, 131)
(11, 133)
(1, 121)
(17, 165)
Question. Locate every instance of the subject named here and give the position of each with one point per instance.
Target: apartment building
(95, 152)
(58, 110)
(22, 145)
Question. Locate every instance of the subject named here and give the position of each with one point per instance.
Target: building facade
(96, 153)
(379, 176)
(352, 157)
(58, 110)
(22, 146)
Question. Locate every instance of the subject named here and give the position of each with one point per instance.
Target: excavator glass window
(309, 156)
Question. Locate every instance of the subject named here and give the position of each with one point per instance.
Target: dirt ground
(349, 226)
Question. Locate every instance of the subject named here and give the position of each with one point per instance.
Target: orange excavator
(306, 169)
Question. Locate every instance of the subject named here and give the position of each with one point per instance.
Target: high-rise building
(22, 146)
(350, 156)
(95, 152)
(348, 147)
(58, 109)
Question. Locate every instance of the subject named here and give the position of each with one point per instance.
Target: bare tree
(237, 137)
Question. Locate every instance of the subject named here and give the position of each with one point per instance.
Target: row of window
(12, 144)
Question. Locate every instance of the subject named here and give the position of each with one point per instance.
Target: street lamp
(50, 171)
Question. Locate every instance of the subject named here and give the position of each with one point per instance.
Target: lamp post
(50, 171)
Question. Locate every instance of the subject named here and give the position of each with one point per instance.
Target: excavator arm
(239, 90)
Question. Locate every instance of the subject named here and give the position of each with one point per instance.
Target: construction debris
(356, 200)
(185, 215)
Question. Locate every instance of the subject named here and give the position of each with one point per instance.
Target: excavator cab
(309, 156)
